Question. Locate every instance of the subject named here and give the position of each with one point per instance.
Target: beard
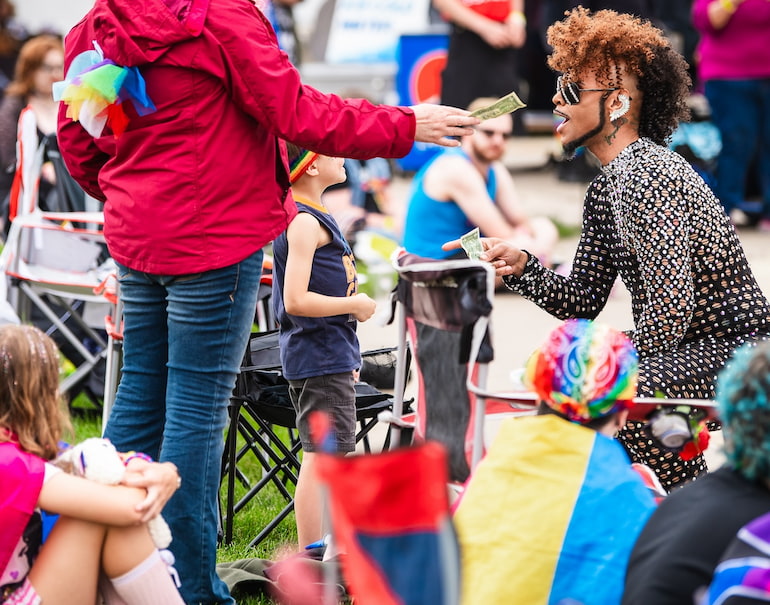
(570, 149)
(486, 156)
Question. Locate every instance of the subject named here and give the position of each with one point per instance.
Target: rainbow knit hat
(584, 370)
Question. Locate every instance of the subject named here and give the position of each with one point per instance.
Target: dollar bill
(507, 104)
(471, 243)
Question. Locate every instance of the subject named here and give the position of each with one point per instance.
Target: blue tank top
(430, 222)
(318, 346)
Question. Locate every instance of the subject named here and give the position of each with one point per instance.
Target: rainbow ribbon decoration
(95, 90)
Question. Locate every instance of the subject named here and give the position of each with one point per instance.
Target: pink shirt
(741, 49)
(21, 477)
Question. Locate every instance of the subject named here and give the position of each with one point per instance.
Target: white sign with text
(367, 31)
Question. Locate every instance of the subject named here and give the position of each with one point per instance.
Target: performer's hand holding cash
(501, 254)
(471, 243)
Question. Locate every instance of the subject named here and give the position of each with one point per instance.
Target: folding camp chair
(54, 262)
(264, 318)
(445, 307)
(390, 516)
(261, 445)
(110, 289)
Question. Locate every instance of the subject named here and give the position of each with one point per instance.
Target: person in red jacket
(195, 182)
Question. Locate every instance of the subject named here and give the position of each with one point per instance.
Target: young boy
(316, 303)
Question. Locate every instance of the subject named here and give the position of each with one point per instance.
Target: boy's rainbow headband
(95, 91)
(300, 164)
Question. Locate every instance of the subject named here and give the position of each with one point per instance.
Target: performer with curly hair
(648, 218)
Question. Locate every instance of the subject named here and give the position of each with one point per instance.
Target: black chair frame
(260, 404)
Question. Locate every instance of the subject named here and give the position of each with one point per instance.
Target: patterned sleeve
(584, 292)
(658, 230)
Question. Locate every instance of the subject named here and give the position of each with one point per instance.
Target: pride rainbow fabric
(743, 575)
(96, 91)
(300, 165)
(551, 513)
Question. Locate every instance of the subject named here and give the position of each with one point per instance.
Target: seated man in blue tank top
(468, 187)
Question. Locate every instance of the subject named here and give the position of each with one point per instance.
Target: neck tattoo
(617, 124)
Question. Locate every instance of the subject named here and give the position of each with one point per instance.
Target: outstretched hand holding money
(506, 258)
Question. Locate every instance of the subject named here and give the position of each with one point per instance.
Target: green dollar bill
(507, 104)
(471, 243)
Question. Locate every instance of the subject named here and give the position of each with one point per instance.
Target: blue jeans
(740, 109)
(184, 339)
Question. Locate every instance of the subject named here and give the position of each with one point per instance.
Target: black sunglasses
(491, 133)
(570, 91)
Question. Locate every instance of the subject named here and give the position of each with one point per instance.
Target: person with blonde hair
(100, 543)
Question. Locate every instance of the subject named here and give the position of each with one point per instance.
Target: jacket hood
(136, 32)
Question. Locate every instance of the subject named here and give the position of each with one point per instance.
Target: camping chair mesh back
(54, 262)
(262, 446)
(444, 306)
(406, 551)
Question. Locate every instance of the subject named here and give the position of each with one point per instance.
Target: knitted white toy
(98, 460)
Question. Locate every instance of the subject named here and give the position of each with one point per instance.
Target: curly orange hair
(603, 41)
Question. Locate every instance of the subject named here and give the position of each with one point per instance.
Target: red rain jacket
(202, 183)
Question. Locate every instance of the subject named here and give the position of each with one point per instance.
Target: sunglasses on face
(570, 91)
(492, 133)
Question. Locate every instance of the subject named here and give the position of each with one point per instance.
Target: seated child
(100, 542)
(551, 513)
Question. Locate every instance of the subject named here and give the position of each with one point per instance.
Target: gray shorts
(334, 394)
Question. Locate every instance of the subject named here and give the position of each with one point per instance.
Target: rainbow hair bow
(95, 90)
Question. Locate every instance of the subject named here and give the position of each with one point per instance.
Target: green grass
(566, 230)
(249, 521)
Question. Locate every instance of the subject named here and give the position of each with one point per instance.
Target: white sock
(107, 592)
(149, 583)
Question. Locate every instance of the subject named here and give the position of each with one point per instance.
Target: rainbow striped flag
(549, 516)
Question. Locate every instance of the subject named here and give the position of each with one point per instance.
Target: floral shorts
(23, 595)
